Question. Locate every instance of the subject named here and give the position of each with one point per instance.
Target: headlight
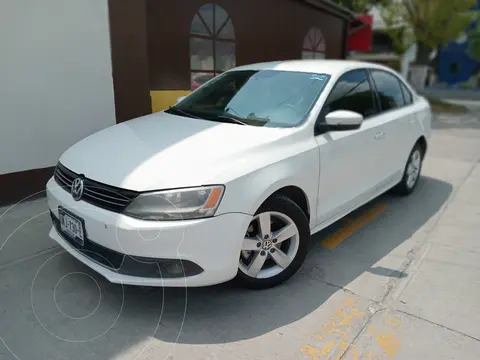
(182, 204)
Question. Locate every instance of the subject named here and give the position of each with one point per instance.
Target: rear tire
(411, 173)
(275, 244)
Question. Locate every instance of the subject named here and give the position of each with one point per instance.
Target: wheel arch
(296, 194)
(422, 141)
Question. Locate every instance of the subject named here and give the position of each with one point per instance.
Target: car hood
(163, 151)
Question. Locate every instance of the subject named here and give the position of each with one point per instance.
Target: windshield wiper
(228, 111)
(182, 112)
(232, 119)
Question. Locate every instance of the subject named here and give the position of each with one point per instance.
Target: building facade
(73, 67)
(205, 39)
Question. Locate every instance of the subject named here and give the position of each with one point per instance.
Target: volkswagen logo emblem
(77, 189)
(267, 244)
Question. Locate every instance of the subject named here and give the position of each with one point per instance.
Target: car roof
(331, 67)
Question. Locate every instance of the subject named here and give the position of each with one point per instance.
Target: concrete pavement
(471, 104)
(404, 285)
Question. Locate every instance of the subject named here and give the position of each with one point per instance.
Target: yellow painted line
(352, 226)
(335, 341)
(389, 343)
(335, 338)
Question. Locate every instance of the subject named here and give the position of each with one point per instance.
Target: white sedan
(233, 180)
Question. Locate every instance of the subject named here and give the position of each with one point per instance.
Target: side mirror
(180, 99)
(342, 120)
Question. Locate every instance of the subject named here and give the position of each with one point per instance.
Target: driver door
(348, 158)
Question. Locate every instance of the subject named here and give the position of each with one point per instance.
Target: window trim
(403, 93)
(321, 118)
(401, 83)
(407, 91)
(378, 106)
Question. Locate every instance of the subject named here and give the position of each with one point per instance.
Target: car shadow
(224, 313)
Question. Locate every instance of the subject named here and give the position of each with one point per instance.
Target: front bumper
(212, 245)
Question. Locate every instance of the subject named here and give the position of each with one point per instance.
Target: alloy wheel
(269, 246)
(413, 168)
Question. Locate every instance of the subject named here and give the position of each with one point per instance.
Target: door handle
(379, 136)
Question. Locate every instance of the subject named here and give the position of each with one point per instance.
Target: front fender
(247, 193)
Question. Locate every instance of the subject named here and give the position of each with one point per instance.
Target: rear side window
(407, 95)
(351, 92)
(388, 89)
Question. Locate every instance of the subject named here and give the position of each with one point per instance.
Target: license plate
(72, 226)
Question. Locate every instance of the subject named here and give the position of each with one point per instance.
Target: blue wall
(454, 65)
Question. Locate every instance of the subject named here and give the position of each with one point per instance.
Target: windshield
(270, 98)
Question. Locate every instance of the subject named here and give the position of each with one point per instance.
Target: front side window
(388, 89)
(270, 98)
(352, 92)
(212, 44)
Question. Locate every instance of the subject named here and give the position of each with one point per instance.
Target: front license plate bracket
(72, 226)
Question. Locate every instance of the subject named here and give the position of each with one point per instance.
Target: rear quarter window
(407, 94)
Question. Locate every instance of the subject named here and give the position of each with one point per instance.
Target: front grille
(104, 196)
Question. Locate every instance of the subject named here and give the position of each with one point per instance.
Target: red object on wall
(360, 33)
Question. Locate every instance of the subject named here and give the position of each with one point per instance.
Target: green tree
(473, 48)
(474, 42)
(362, 6)
(428, 23)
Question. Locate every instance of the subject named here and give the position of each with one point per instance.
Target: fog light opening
(174, 268)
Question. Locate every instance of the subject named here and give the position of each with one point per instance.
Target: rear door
(394, 120)
(347, 158)
(414, 128)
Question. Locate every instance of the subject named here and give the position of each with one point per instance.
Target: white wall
(55, 78)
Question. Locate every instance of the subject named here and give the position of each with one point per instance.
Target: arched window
(212, 44)
(314, 45)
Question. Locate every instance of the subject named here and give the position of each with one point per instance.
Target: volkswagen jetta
(233, 180)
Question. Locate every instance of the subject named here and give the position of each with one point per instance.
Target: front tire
(411, 173)
(275, 245)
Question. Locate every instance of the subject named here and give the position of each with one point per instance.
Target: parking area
(397, 279)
